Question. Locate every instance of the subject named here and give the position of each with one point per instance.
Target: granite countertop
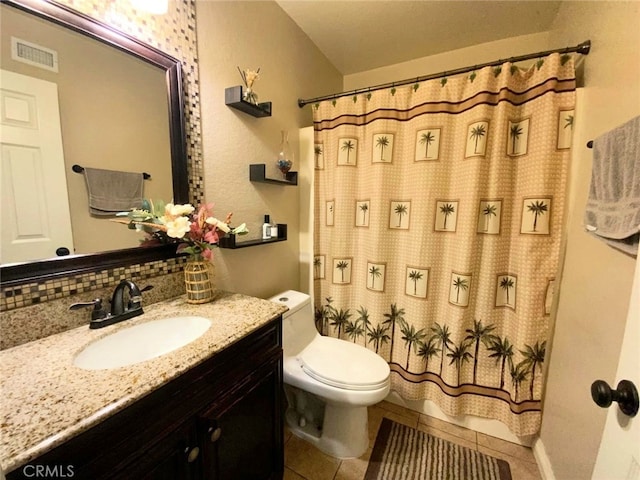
(46, 400)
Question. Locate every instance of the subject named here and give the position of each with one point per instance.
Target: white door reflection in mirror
(34, 185)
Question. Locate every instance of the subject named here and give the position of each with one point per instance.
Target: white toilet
(328, 382)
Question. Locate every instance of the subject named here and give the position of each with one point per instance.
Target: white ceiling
(361, 35)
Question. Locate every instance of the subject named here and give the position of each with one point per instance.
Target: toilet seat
(343, 364)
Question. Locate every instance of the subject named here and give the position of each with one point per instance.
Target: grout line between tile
(338, 469)
(510, 458)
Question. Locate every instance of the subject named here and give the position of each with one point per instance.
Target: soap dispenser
(266, 228)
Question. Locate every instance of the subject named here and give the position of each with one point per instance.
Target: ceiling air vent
(33, 54)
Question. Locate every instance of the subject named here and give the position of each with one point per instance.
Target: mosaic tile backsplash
(37, 293)
(32, 306)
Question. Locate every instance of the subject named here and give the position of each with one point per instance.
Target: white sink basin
(141, 342)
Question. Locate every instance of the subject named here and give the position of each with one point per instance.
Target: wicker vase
(199, 280)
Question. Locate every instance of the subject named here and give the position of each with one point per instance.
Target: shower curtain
(439, 210)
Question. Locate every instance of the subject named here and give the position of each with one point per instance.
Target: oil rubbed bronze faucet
(119, 312)
(135, 300)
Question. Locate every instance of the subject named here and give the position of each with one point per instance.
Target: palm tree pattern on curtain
(425, 285)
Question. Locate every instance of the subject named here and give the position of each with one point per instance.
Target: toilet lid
(343, 364)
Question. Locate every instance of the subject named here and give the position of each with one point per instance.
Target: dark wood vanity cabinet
(220, 420)
(237, 433)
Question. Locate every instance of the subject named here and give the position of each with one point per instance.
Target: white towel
(111, 191)
(613, 206)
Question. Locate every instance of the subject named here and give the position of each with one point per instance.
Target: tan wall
(252, 35)
(114, 115)
(477, 54)
(596, 282)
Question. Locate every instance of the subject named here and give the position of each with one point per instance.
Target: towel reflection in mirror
(112, 191)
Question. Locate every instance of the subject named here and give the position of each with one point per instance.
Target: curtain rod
(582, 48)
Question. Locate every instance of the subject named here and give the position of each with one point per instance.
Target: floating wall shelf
(233, 99)
(257, 174)
(230, 240)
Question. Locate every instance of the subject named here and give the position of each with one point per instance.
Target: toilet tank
(298, 324)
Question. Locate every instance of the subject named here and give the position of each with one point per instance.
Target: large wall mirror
(121, 108)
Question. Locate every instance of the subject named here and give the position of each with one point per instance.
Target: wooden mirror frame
(43, 270)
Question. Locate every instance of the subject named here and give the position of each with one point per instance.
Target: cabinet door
(241, 433)
(177, 456)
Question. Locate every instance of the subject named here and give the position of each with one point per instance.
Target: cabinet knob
(192, 454)
(215, 434)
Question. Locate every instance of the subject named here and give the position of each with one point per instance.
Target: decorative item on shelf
(197, 233)
(249, 77)
(285, 155)
(266, 228)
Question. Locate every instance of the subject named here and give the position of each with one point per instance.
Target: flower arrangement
(249, 77)
(196, 232)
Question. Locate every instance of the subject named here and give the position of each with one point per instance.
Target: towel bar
(78, 169)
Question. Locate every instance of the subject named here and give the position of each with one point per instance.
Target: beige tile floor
(305, 462)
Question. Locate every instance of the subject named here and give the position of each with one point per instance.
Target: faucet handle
(136, 300)
(97, 313)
